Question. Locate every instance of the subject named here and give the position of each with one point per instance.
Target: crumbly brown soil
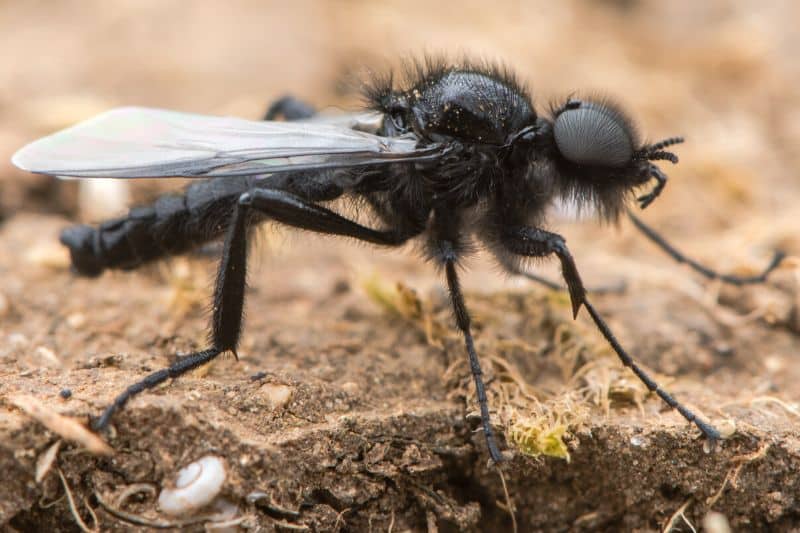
(351, 406)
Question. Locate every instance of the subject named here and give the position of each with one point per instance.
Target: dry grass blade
(404, 302)
(678, 515)
(45, 461)
(68, 428)
(509, 504)
(73, 509)
(732, 476)
(142, 521)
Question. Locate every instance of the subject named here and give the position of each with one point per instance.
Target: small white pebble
(17, 340)
(350, 387)
(727, 428)
(195, 487)
(774, 364)
(716, 523)
(47, 356)
(76, 320)
(639, 442)
(194, 395)
(278, 396)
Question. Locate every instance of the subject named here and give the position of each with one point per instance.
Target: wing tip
(29, 157)
(20, 160)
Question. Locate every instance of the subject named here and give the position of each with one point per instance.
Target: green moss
(536, 438)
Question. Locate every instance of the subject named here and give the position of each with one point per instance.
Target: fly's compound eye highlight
(594, 134)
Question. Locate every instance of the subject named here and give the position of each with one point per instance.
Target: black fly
(456, 154)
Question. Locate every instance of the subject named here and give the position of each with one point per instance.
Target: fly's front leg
(533, 242)
(674, 253)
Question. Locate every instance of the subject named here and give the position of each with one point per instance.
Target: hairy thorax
(469, 106)
(475, 109)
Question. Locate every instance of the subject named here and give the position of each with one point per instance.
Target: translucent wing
(134, 142)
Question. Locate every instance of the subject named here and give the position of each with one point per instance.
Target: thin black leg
(539, 243)
(226, 321)
(229, 292)
(619, 288)
(290, 108)
(463, 320)
(292, 210)
(711, 433)
(662, 243)
(533, 242)
(190, 362)
(515, 269)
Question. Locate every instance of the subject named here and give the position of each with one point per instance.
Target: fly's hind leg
(226, 318)
(229, 291)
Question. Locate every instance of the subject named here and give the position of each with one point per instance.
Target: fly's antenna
(662, 156)
(656, 152)
(660, 145)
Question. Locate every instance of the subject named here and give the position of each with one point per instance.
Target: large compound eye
(591, 133)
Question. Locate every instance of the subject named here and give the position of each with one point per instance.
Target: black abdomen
(173, 224)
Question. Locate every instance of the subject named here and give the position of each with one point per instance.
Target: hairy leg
(527, 241)
(449, 257)
(445, 247)
(226, 319)
(229, 291)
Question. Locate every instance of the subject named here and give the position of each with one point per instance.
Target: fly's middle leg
(289, 108)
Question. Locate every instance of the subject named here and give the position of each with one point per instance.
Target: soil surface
(351, 405)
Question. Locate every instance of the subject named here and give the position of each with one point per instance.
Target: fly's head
(598, 157)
